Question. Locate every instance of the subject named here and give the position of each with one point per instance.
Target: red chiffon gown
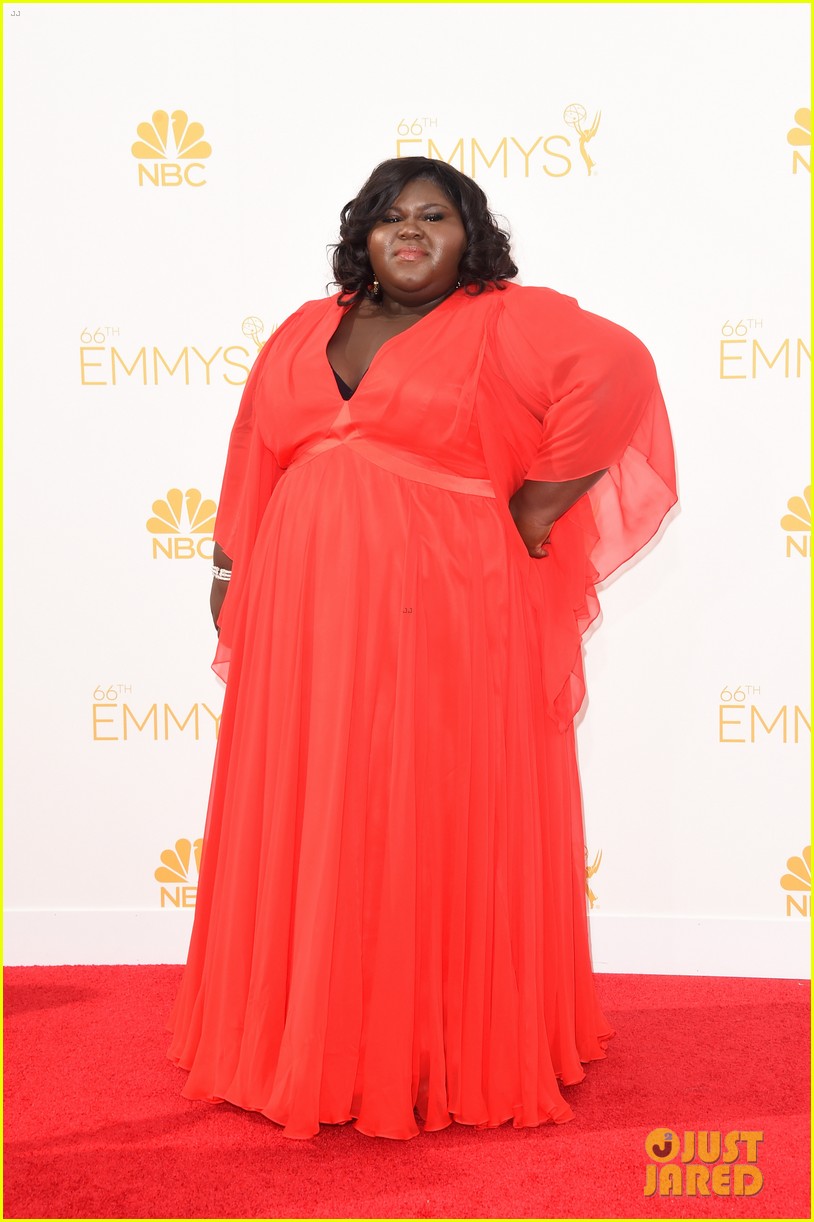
(391, 913)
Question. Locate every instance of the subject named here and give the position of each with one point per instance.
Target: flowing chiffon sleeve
(593, 386)
(249, 479)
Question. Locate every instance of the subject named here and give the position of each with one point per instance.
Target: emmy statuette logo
(575, 116)
(253, 328)
(590, 871)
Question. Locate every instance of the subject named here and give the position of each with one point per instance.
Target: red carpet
(95, 1125)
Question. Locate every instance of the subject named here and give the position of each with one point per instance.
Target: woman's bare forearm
(552, 500)
(537, 504)
(219, 584)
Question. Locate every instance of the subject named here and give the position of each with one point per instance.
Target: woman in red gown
(427, 476)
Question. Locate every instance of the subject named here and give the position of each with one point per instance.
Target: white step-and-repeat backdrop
(174, 175)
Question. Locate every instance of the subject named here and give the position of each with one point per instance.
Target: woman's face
(416, 246)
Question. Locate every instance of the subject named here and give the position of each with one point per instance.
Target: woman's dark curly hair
(486, 261)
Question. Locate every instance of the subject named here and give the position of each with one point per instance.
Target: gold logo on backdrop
(799, 879)
(798, 522)
(575, 116)
(253, 328)
(742, 355)
(800, 137)
(741, 721)
(177, 890)
(200, 513)
(589, 873)
(521, 153)
(186, 136)
(154, 145)
(126, 364)
(114, 720)
(170, 513)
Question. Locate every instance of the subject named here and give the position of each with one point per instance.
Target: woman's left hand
(538, 504)
(532, 526)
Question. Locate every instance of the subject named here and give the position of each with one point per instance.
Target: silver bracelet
(221, 574)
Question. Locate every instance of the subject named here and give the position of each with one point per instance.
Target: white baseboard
(635, 944)
(646, 945)
(113, 935)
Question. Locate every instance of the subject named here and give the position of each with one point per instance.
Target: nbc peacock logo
(797, 525)
(182, 525)
(799, 137)
(178, 874)
(798, 883)
(165, 161)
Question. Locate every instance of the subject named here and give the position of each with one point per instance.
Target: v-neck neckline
(346, 310)
(343, 386)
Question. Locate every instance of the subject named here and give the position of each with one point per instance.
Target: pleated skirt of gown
(391, 909)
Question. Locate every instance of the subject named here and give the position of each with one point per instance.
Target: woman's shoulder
(520, 299)
(530, 307)
(542, 324)
(526, 312)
